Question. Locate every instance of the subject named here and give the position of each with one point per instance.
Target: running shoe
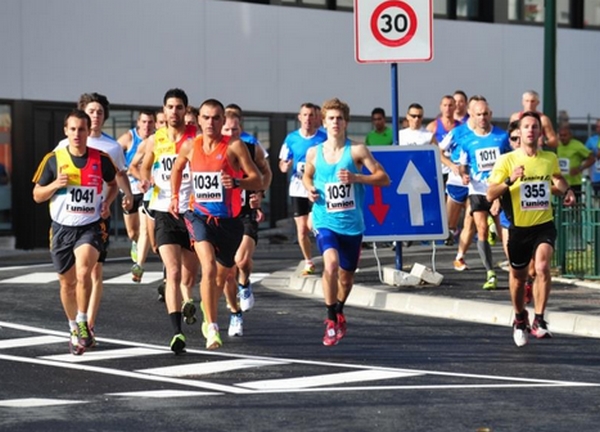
(74, 346)
(309, 269)
(246, 297)
(133, 251)
(521, 331)
(539, 329)
(178, 344)
(492, 232)
(84, 336)
(137, 272)
(528, 291)
(204, 322)
(213, 339)
(492, 281)
(330, 337)
(460, 265)
(188, 309)
(236, 325)
(161, 291)
(450, 240)
(341, 326)
(94, 341)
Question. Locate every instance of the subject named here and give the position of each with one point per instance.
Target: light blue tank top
(339, 206)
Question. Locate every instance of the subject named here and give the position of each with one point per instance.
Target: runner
(335, 182)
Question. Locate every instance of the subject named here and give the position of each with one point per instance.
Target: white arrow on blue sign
(413, 207)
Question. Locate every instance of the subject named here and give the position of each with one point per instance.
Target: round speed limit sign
(393, 30)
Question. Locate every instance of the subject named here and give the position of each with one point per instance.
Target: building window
(5, 168)
(533, 11)
(440, 7)
(591, 13)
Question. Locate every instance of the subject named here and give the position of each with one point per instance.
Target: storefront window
(533, 11)
(5, 168)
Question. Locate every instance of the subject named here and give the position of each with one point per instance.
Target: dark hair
(87, 98)
(77, 113)
(462, 93)
(378, 110)
(531, 114)
(176, 93)
(148, 112)
(308, 105)
(477, 98)
(233, 106)
(193, 111)
(213, 103)
(512, 126)
(415, 105)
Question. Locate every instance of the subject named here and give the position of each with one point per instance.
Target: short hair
(191, 110)
(308, 105)
(87, 98)
(477, 98)
(233, 106)
(512, 126)
(231, 113)
(531, 114)
(461, 93)
(79, 114)
(532, 93)
(148, 112)
(175, 93)
(336, 104)
(415, 106)
(213, 103)
(378, 110)
(448, 97)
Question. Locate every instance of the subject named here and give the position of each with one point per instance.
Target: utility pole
(550, 108)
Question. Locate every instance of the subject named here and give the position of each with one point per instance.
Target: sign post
(393, 31)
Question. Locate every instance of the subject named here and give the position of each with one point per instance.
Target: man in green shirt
(573, 158)
(381, 134)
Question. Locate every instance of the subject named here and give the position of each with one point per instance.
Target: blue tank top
(440, 130)
(339, 206)
(135, 142)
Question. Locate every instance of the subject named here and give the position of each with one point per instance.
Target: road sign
(393, 31)
(413, 207)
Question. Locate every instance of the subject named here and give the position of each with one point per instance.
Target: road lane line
(119, 353)
(207, 368)
(37, 402)
(30, 341)
(161, 394)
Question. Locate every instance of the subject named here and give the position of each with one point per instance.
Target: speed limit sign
(390, 31)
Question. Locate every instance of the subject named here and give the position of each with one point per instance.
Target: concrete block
(426, 274)
(394, 277)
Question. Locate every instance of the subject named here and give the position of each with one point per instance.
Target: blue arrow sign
(413, 207)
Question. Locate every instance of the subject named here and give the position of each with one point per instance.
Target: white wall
(269, 58)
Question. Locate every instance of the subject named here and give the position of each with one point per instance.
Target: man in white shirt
(415, 133)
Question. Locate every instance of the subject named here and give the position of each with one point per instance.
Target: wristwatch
(236, 183)
(507, 182)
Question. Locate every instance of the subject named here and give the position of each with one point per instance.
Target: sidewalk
(573, 308)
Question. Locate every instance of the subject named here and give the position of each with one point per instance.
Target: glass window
(5, 168)
(533, 11)
(440, 7)
(591, 13)
(119, 122)
(467, 8)
(314, 2)
(346, 4)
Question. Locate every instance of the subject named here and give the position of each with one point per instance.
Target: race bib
(535, 195)
(300, 167)
(339, 197)
(81, 200)
(208, 187)
(486, 158)
(297, 187)
(564, 164)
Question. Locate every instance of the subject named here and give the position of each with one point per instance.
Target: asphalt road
(392, 371)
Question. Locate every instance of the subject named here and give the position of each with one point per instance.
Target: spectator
(573, 158)
(593, 144)
(381, 134)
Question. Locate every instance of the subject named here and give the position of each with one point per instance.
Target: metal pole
(550, 60)
(395, 129)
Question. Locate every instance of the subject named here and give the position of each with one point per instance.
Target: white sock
(72, 325)
(81, 317)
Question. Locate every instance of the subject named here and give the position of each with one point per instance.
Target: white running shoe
(246, 297)
(236, 325)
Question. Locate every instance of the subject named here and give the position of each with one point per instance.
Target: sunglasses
(415, 115)
(514, 138)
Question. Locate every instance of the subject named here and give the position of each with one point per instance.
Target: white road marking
(207, 368)
(30, 341)
(327, 379)
(257, 277)
(162, 394)
(37, 402)
(125, 279)
(112, 354)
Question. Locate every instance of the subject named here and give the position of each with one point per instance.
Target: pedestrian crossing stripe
(149, 277)
(162, 394)
(207, 368)
(37, 402)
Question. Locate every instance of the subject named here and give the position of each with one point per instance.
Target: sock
(485, 253)
(339, 307)
(539, 317)
(331, 313)
(244, 285)
(520, 316)
(81, 317)
(459, 256)
(72, 325)
(176, 321)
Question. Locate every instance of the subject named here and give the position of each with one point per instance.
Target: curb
(291, 281)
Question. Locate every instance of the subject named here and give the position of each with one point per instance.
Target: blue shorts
(348, 247)
(504, 222)
(458, 194)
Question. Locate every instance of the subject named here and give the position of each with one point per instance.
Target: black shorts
(146, 209)
(225, 234)
(523, 242)
(137, 203)
(250, 225)
(65, 239)
(300, 206)
(479, 203)
(169, 230)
